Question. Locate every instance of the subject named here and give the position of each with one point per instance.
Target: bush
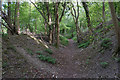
(46, 58)
(106, 43)
(63, 40)
(49, 51)
(74, 38)
(84, 44)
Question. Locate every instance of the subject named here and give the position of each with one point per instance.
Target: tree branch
(39, 11)
(62, 12)
(6, 26)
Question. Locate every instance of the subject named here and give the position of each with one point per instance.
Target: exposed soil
(72, 62)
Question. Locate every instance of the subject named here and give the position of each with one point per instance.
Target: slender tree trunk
(76, 24)
(45, 28)
(35, 25)
(18, 24)
(30, 18)
(9, 18)
(103, 12)
(49, 22)
(115, 22)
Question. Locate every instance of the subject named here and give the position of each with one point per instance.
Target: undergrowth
(47, 58)
(63, 40)
(49, 51)
(84, 44)
(106, 42)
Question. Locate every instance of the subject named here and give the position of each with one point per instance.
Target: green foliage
(101, 50)
(109, 26)
(4, 64)
(104, 64)
(74, 38)
(117, 59)
(84, 44)
(46, 58)
(69, 36)
(30, 51)
(38, 52)
(63, 40)
(48, 50)
(4, 35)
(106, 42)
(87, 61)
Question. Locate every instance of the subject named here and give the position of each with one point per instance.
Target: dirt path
(70, 68)
(71, 62)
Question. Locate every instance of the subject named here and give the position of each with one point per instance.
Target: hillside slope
(20, 59)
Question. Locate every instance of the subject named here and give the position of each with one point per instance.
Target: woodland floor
(72, 62)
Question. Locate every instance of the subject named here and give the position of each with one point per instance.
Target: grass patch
(104, 64)
(47, 58)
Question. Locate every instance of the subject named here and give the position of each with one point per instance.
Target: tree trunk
(57, 24)
(115, 22)
(87, 15)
